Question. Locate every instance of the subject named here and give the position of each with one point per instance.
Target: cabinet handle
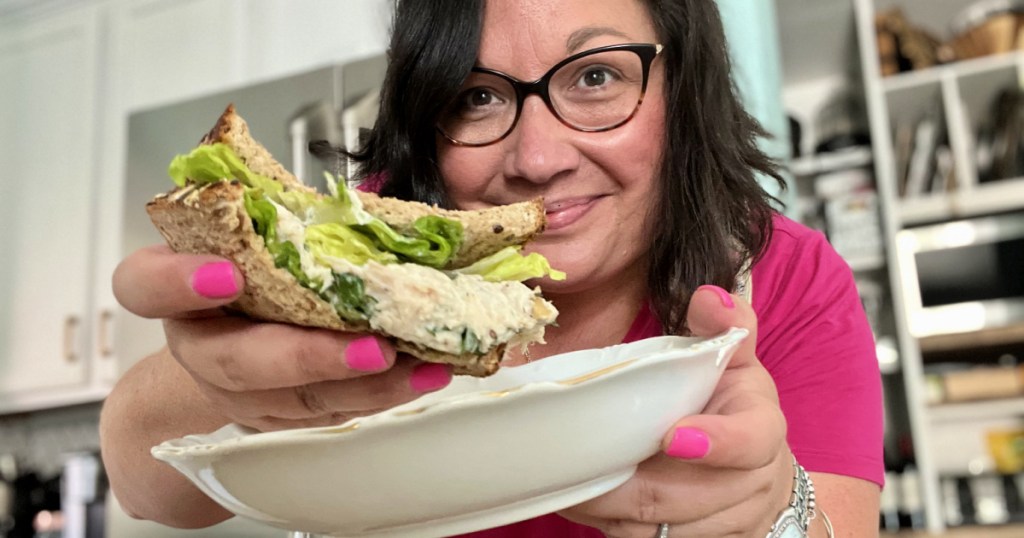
(106, 325)
(70, 329)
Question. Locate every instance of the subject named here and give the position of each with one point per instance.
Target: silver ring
(662, 531)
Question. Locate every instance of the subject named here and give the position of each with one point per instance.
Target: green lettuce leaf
(509, 264)
(214, 162)
(335, 240)
(346, 294)
(264, 219)
(433, 241)
(436, 241)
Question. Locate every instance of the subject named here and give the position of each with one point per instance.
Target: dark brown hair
(711, 215)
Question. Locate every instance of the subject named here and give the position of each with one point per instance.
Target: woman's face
(597, 187)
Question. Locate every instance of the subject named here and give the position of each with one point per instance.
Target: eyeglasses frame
(646, 51)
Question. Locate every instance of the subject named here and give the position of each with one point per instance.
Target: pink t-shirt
(814, 340)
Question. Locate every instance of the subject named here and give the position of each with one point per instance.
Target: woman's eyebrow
(581, 36)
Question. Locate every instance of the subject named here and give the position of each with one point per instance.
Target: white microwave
(963, 276)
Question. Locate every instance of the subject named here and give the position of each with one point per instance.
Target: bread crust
(213, 220)
(486, 231)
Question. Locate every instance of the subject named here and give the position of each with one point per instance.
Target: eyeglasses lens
(592, 93)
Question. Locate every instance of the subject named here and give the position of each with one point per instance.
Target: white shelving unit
(813, 165)
(964, 92)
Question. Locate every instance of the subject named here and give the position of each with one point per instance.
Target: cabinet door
(286, 37)
(47, 103)
(166, 51)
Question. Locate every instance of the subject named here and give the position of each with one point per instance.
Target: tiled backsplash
(40, 439)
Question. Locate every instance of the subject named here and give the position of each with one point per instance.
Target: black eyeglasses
(595, 90)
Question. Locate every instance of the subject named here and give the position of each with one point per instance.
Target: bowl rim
(233, 437)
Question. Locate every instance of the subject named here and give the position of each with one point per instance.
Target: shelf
(933, 75)
(974, 411)
(998, 336)
(823, 163)
(992, 197)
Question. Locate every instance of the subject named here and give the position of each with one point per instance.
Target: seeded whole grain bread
(212, 220)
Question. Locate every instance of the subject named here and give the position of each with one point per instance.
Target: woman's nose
(541, 145)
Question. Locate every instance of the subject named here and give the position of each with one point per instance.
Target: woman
(646, 161)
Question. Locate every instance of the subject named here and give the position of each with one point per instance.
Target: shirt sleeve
(815, 341)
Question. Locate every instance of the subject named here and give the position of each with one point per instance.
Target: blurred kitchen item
(986, 27)
(1001, 139)
(989, 500)
(795, 136)
(8, 473)
(854, 227)
(911, 506)
(83, 502)
(963, 276)
(952, 510)
(889, 503)
(318, 121)
(33, 494)
(841, 122)
(336, 122)
(903, 46)
(1007, 450)
(852, 218)
(983, 383)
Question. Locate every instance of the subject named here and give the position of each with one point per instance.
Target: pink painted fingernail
(689, 444)
(215, 280)
(364, 354)
(429, 377)
(722, 294)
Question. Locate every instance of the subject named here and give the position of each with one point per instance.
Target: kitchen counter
(974, 531)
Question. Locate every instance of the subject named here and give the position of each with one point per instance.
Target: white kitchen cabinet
(167, 50)
(48, 106)
(286, 37)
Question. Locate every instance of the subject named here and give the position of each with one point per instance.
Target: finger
(713, 311)
(156, 282)
(742, 429)
(338, 401)
(239, 355)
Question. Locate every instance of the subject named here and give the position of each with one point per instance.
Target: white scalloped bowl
(480, 453)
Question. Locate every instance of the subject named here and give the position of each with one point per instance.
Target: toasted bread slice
(486, 231)
(213, 220)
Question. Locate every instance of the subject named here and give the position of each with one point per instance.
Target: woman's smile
(566, 212)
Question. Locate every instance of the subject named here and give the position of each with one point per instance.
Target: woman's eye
(596, 77)
(479, 97)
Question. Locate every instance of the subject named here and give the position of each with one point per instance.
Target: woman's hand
(725, 472)
(266, 376)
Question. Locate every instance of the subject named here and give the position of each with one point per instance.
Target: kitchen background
(900, 122)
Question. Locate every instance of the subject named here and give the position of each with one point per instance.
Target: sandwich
(445, 286)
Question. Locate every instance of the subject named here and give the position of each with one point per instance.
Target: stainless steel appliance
(965, 275)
